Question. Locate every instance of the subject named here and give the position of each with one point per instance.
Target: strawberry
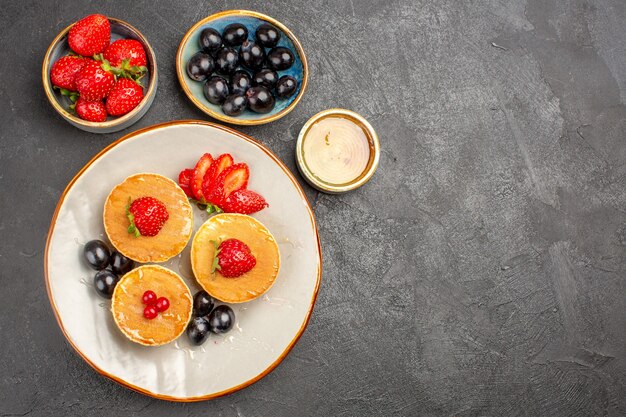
(94, 81)
(184, 181)
(244, 201)
(203, 165)
(147, 215)
(233, 258)
(126, 49)
(124, 97)
(64, 70)
(221, 163)
(233, 178)
(93, 111)
(90, 35)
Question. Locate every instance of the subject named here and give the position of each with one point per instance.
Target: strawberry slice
(244, 201)
(184, 181)
(200, 170)
(221, 163)
(233, 178)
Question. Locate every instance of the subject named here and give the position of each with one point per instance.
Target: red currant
(149, 298)
(162, 304)
(150, 312)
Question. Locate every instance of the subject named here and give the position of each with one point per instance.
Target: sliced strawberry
(200, 170)
(184, 181)
(244, 201)
(215, 193)
(221, 163)
(233, 178)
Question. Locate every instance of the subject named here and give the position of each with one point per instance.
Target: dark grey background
(480, 272)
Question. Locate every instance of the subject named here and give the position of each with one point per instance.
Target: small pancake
(262, 244)
(127, 305)
(176, 231)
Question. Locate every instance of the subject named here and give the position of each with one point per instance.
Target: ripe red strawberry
(129, 49)
(125, 96)
(93, 82)
(244, 201)
(93, 111)
(203, 165)
(147, 215)
(221, 163)
(233, 178)
(90, 35)
(184, 181)
(233, 258)
(63, 71)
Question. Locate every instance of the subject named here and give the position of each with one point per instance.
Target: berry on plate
(124, 97)
(147, 215)
(222, 319)
(126, 49)
(149, 298)
(184, 181)
(105, 281)
(93, 111)
(233, 258)
(221, 163)
(244, 201)
(94, 81)
(162, 304)
(150, 312)
(203, 165)
(90, 35)
(233, 178)
(96, 254)
(202, 303)
(63, 71)
(120, 264)
(198, 330)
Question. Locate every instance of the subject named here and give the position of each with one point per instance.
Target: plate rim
(121, 381)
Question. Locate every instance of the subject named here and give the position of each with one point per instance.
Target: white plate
(266, 328)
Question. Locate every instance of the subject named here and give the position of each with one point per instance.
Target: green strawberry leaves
(208, 207)
(72, 95)
(131, 218)
(124, 70)
(212, 208)
(215, 263)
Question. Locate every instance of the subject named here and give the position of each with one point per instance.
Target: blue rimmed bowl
(251, 20)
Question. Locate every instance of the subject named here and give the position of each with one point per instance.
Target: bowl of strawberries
(100, 74)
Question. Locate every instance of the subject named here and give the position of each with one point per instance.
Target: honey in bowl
(337, 151)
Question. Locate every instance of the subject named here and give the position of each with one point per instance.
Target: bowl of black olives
(242, 67)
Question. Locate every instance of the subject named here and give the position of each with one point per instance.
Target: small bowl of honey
(337, 151)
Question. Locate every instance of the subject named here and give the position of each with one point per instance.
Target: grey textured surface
(482, 271)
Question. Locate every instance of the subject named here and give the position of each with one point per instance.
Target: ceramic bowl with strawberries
(100, 74)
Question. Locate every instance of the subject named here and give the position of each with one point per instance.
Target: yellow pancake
(127, 305)
(176, 231)
(262, 244)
